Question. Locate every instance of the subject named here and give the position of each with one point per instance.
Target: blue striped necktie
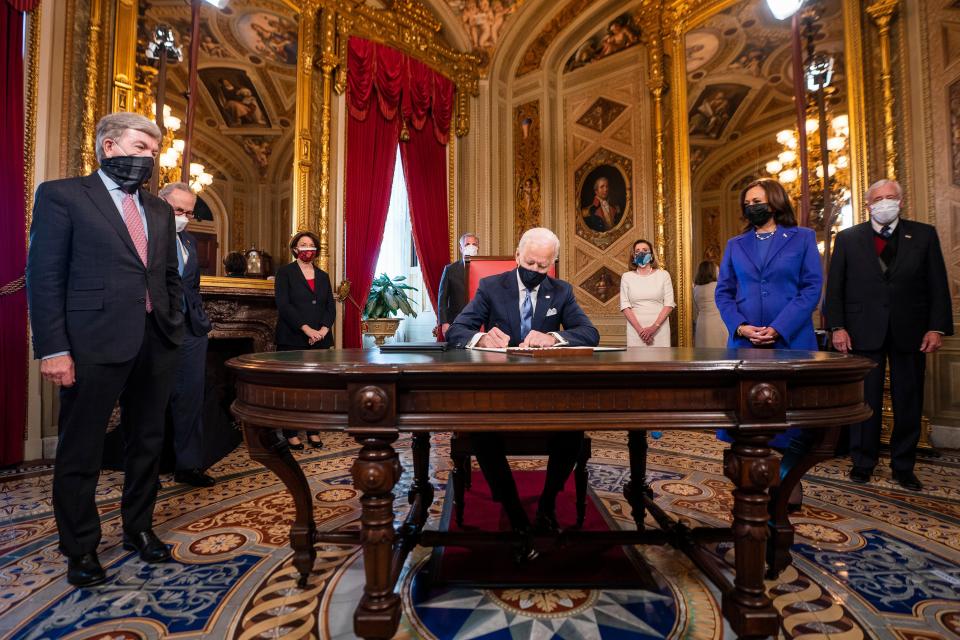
(526, 315)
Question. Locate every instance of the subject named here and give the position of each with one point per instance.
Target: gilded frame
(684, 13)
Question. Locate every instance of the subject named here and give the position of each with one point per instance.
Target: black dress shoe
(316, 444)
(150, 547)
(194, 477)
(295, 447)
(85, 570)
(908, 480)
(860, 475)
(546, 522)
(524, 552)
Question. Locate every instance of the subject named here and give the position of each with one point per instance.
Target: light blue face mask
(643, 258)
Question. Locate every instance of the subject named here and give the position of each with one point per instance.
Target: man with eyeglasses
(186, 401)
(106, 310)
(888, 298)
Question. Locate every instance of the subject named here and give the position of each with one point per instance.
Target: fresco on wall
(714, 109)
(235, 96)
(701, 47)
(622, 33)
(751, 58)
(526, 150)
(601, 114)
(259, 149)
(484, 21)
(272, 36)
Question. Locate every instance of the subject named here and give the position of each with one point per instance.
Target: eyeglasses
(182, 212)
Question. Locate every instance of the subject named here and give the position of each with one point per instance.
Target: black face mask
(757, 214)
(128, 171)
(530, 279)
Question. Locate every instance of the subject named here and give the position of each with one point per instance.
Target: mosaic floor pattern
(871, 561)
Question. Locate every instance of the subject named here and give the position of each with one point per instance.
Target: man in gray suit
(453, 286)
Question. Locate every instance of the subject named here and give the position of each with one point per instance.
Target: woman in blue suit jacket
(770, 278)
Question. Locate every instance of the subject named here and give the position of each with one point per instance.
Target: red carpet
(614, 567)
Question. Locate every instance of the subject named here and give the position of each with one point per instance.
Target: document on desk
(548, 352)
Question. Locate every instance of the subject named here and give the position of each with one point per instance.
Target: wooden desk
(375, 397)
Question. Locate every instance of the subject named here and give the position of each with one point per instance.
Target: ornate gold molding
(30, 116)
(124, 56)
(657, 84)
(91, 93)
(328, 62)
(856, 107)
(452, 192)
(882, 12)
(303, 138)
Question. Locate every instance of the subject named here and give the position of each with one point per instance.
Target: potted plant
(387, 297)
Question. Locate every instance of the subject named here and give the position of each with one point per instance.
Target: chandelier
(786, 166)
(171, 155)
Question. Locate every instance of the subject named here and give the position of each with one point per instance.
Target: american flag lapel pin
(907, 235)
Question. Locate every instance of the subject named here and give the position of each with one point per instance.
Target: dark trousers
(142, 386)
(906, 390)
(290, 433)
(490, 449)
(186, 403)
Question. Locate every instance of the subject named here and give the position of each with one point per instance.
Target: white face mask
(885, 211)
(470, 250)
(181, 222)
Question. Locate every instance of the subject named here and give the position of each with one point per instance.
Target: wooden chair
(517, 444)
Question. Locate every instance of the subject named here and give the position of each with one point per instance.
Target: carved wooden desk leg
(636, 488)
(375, 473)
(269, 448)
(421, 472)
(753, 468)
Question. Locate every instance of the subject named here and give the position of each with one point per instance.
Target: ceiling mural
(247, 80)
(621, 33)
(740, 80)
(484, 21)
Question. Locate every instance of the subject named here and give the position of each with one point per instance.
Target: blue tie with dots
(526, 315)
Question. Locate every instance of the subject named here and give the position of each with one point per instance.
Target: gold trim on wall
(856, 108)
(303, 138)
(30, 117)
(882, 12)
(452, 193)
(91, 92)
(328, 62)
(124, 56)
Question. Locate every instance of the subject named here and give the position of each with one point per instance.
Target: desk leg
(267, 447)
(375, 473)
(637, 487)
(421, 472)
(820, 445)
(753, 468)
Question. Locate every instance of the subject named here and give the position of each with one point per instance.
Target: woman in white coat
(646, 299)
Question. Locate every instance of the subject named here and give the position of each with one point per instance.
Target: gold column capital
(882, 12)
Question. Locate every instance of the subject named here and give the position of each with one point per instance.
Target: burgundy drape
(383, 84)
(13, 254)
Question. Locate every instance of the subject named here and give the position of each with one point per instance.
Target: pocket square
(551, 312)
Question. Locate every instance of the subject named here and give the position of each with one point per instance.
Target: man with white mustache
(888, 298)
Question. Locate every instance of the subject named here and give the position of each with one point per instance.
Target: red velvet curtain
(371, 158)
(382, 85)
(13, 253)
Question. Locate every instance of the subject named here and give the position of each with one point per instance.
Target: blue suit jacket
(196, 317)
(497, 304)
(782, 292)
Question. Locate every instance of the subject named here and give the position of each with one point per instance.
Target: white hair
(463, 238)
(596, 183)
(540, 236)
(113, 125)
(175, 186)
(882, 183)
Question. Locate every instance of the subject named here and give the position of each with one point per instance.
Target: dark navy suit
(497, 304)
(780, 291)
(186, 401)
(87, 289)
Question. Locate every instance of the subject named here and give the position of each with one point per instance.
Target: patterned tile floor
(871, 561)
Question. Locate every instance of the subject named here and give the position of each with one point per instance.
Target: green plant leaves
(387, 297)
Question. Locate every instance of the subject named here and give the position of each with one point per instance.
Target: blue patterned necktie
(885, 232)
(526, 315)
